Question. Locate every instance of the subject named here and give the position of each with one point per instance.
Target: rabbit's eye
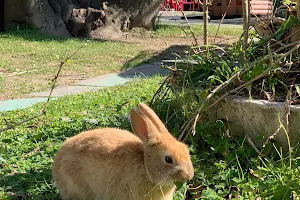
(168, 159)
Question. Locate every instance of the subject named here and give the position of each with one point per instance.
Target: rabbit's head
(166, 159)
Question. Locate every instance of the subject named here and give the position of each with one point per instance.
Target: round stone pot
(258, 119)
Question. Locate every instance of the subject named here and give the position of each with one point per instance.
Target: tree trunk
(96, 17)
(37, 13)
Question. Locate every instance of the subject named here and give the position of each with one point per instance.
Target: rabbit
(114, 164)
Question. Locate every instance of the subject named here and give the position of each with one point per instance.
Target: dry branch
(278, 57)
(44, 109)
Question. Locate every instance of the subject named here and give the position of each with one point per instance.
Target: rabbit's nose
(189, 171)
(187, 174)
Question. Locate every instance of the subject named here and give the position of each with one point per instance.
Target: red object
(220, 7)
(261, 7)
(198, 5)
(191, 4)
(180, 5)
(169, 4)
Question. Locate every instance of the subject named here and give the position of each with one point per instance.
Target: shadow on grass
(31, 34)
(19, 185)
(147, 57)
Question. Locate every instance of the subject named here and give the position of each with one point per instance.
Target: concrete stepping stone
(15, 104)
(108, 80)
(94, 84)
(69, 90)
(145, 70)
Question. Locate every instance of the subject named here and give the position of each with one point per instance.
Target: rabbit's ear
(143, 127)
(147, 111)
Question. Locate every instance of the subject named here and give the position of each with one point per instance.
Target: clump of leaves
(228, 167)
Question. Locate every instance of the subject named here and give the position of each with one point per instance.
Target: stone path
(94, 84)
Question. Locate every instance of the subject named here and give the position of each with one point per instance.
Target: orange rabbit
(114, 164)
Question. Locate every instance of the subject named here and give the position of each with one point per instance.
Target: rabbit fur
(114, 164)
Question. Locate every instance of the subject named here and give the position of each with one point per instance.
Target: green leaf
(219, 124)
(288, 24)
(247, 188)
(68, 61)
(282, 192)
(210, 194)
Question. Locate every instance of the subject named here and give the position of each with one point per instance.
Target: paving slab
(69, 90)
(107, 80)
(15, 104)
(94, 84)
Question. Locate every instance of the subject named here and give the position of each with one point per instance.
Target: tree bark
(54, 16)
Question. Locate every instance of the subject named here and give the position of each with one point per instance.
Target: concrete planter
(257, 117)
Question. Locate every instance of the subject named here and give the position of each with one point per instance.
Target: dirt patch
(159, 44)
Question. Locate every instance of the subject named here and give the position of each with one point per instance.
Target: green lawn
(27, 152)
(29, 60)
(222, 164)
(36, 57)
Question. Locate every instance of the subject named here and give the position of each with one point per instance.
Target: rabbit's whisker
(163, 182)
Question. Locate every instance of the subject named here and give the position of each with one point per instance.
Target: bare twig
(223, 17)
(188, 24)
(222, 86)
(166, 81)
(43, 110)
(284, 118)
(245, 7)
(130, 192)
(21, 122)
(253, 145)
(205, 24)
(180, 26)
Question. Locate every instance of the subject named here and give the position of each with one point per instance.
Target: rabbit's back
(99, 164)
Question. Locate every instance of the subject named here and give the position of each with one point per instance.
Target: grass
(225, 166)
(29, 60)
(27, 152)
(222, 164)
(38, 56)
(175, 30)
